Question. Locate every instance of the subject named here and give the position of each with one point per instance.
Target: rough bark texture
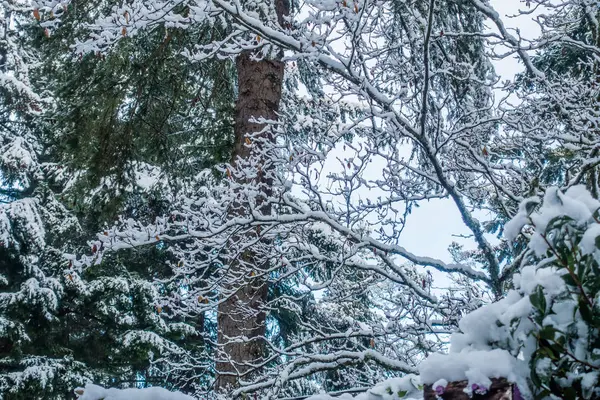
(260, 85)
(500, 389)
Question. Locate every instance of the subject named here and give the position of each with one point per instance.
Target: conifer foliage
(69, 164)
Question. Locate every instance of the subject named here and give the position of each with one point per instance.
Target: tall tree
(436, 107)
(407, 116)
(108, 137)
(242, 314)
(31, 222)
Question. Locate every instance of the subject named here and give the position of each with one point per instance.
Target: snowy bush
(544, 335)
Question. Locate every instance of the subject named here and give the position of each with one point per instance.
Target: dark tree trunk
(260, 85)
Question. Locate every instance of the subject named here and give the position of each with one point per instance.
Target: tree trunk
(241, 315)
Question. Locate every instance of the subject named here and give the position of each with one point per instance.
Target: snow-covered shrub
(544, 335)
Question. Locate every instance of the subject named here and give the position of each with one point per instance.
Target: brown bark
(259, 94)
(500, 389)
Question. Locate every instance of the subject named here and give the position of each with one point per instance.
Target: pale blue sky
(432, 226)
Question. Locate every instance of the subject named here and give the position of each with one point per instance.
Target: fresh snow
(576, 203)
(95, 392)
(495, 340)
(407, 387)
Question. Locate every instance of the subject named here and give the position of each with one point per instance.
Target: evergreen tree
(117, 137)
(32, 226)
(278, 236)
(241, 232)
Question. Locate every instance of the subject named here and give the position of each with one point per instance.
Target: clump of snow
(499, 339)
(588, 241)
(95, 392)
(440, 382)
(439, 386)
(475, 366)
(18, 217)
(494, 341)
(512, 228)
(589, 380)
(576, 203)
(17, 157)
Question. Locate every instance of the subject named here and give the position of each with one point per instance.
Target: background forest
(210, 196)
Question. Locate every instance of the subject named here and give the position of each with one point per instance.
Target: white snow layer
(576, 203)
(95, 392)
(405, 388)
